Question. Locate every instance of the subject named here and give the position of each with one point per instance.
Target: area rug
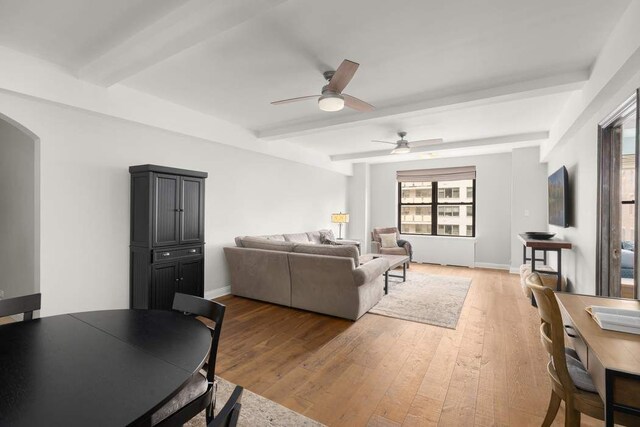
(257, 411)
(425, 298)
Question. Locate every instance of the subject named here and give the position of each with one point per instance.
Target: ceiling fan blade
(301, 98)
(424, 142)
(384, 142)
(357, 104)
(343, 76)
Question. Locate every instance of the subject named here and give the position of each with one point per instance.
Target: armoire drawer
(175, 253)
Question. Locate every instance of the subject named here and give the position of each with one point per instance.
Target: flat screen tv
(559, 198)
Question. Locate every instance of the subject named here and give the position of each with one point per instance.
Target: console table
(549, 245)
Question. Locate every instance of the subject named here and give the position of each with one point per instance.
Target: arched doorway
(19, 209)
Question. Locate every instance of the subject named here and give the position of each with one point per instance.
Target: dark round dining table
(99, 368)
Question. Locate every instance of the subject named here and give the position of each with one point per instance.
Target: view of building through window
(453, 203)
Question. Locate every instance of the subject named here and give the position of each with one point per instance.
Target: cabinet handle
(177, 280)
(182, 278)
(192, 251)
(166, 253)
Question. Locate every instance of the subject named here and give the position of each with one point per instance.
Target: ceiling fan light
(331, 102)
(401, 148)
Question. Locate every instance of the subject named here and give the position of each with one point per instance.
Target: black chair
(199, 393)
(228, 416)
(26, 304)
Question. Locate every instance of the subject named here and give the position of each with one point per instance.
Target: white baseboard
(514, 270)
(218, 292)
(492, 265)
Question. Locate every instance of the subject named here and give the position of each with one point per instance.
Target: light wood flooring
(379, 371)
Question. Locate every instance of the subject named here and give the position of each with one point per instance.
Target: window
(438, 208)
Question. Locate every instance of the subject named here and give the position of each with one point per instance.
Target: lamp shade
(340, 218)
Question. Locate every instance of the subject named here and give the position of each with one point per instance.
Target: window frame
(435, 203)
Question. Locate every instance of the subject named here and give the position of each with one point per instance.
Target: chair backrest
(551, 329)
(377, 231)
(211, 310)
(230, 412)
(26, 304)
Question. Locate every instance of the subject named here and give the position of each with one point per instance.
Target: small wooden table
(548, 245)
(612, 358)
(394, 262)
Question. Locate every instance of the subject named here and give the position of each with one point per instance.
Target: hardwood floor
(381, 371)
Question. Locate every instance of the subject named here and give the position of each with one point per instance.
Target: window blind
(440, 174)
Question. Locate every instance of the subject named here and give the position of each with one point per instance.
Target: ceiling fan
(402, 145)
(332, 98)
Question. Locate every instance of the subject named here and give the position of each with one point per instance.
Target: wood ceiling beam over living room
(182, 28)
(506, 142)
(564, 82)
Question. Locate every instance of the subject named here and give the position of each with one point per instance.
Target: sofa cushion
(388, 240)
(239, 241)
(330, 250)
(327, 237)
(277, 237)
(314, 236)
(267, 244)
(297, 237)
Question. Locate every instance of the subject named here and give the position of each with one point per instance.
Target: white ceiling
(71, 33)
(410, 52)
(406, 49)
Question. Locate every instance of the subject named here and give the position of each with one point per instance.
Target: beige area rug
(257, 411)
(425, 298)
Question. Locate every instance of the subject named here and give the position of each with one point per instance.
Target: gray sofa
(291, 271)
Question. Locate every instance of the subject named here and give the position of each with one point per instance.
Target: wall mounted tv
(559, 198)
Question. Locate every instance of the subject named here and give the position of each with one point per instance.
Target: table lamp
(340, 218)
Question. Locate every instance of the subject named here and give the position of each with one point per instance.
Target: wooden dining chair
(25, 305)
(199, 393)
(570, 380)
(230, 412)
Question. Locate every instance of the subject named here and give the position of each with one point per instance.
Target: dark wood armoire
(167, 235)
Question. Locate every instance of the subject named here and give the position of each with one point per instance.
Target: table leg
(559, 286)
(386, 282)
(524, 254)
(404, 272)
(533, 260)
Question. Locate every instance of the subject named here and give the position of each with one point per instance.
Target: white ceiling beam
(453, 145)
(180, 29)
(514, 91)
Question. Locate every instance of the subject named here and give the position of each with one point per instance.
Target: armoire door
(165, 281)
(166, 210)
(192, 277)
(191, 210)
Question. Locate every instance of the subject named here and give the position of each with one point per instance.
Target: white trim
(514, 270)
(218, 292)
(492, 265)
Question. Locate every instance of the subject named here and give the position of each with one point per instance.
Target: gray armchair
(404, 247)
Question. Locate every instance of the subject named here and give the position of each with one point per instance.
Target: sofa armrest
(375, 247)
(370, 271)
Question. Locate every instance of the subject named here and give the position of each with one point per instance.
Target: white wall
(493, 204)
(529, 208)
(358, 205)
(614, 78)
(85, 198)
(17, 212)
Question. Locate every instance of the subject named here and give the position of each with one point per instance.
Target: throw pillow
(327, 237)
(388, 240)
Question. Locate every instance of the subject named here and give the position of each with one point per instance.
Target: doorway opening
(618, 215)
(19, 210)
